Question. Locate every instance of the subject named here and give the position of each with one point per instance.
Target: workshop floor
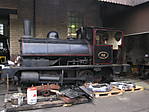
(127, 102)
(131, 102)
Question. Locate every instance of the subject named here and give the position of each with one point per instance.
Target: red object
(32, 88)
(34, 95)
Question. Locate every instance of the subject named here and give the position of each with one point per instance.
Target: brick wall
(24, 11)
(50, 15)
(9, 4)
(15, 34)
(53, 15)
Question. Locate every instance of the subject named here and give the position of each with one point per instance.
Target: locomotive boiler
(95, 54)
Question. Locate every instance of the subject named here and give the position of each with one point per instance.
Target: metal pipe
(34, 18)
(44, 78)
(27, 28)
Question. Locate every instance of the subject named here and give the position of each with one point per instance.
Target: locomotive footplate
(32, 74)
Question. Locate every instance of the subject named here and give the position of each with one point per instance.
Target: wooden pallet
(39, 105)
(137, 88)
(113, 92)
(44, 104)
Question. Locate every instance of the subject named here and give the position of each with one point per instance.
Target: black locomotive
(94, 55)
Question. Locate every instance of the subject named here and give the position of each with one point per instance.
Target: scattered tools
(52, 95)
(47, 90)
(127, 86)
(88, 93)
(17, 99)
(123, 85)
(72, 93)
(99, 87)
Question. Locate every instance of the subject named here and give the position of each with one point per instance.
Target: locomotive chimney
(27, 28)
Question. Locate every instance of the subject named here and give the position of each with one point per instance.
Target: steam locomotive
(94, 55)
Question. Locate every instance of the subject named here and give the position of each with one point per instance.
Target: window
(75, 21)
(1, 29)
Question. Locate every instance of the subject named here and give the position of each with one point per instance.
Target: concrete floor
(2, 92)
(128, 102)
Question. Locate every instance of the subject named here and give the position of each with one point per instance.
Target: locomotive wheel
(107, 74)
(87, 74)
(98, 77)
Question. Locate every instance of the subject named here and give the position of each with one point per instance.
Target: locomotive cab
(106, 44)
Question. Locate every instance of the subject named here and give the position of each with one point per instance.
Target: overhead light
(73, 26)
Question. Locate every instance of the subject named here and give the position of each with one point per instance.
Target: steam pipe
(27, 28)
(34, 18)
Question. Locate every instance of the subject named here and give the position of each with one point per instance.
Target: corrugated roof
(137, 2)
(126, 2)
